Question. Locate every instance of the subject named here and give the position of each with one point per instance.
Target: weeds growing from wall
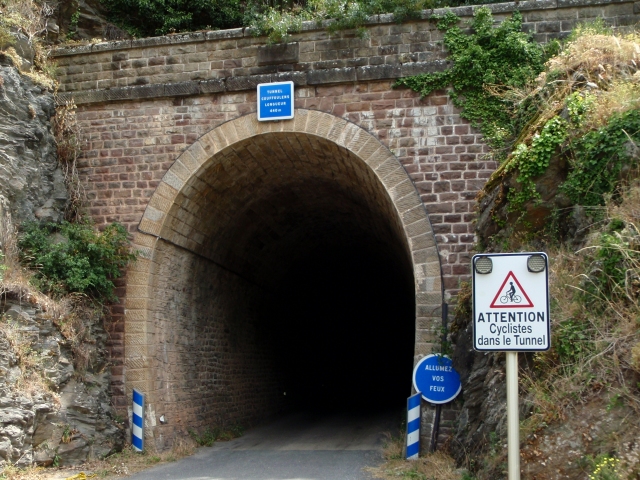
(67, 134)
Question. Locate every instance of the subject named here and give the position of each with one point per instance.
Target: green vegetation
(75, 258)
(487, 61)
(274, 18)
(601, 157)
(277, 23)
(143, 18)
(73, 24)
(574, 105)
(605, 468)
(212, 435)
(531, 162)
(580, 105)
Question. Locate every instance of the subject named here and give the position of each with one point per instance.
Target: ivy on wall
(486, 61)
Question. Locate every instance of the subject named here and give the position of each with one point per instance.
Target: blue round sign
(435, 378)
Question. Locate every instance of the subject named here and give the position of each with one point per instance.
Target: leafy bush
(277, 23)
(600, 158)
(533, 161)
(74, 257)
(143, 18)
(501, 56)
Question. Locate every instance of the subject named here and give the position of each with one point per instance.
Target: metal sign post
(513, 417)
(511, 314)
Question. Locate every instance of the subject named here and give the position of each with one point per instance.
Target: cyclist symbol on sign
(510, 295)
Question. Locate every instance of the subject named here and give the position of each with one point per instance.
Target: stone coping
(249, 82)
(203, 36)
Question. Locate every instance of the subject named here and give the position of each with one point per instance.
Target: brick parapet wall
(235, 60)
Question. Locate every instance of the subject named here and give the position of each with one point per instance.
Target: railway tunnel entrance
(284, 270)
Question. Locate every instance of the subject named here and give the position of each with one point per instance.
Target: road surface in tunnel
(341, 324)
(298, 446)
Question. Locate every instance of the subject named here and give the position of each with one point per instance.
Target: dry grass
(606, 67)
(596, 330)
(67, 133)
(16, 280)
(433, 466)
(28, 17)
(115, 466)
(32, 383)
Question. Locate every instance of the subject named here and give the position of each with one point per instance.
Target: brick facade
(144, 103)
(130, 145)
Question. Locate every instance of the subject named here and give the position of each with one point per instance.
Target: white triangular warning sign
(511, 296)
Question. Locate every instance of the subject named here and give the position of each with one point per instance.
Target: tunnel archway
(280, 264)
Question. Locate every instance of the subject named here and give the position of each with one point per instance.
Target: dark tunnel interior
(342, 324)
(301, 290)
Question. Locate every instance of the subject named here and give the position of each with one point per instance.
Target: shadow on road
(299, 446)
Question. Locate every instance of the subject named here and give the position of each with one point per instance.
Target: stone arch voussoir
(157, 223)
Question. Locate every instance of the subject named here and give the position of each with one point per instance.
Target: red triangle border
(510, 274)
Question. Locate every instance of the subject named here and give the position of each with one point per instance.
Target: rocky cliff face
(482, 417)
(54, 387)
(71, 420)
(90, 22)
(30, 178)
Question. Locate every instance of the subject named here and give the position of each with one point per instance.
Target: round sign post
(436, 380)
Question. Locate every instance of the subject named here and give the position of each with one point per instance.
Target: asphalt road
(296, 447)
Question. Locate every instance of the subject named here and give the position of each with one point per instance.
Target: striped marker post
(413, 426)
(137, 421)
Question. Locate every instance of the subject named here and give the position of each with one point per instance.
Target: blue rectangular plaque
(275, 101)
